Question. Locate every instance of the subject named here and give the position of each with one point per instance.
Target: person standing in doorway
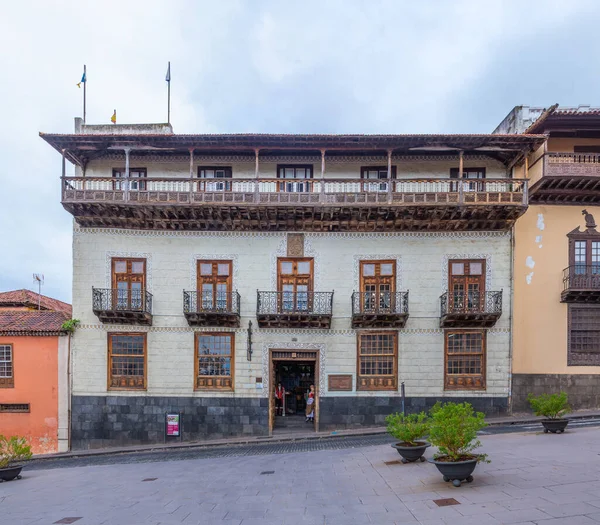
(279, 393)
(310, 404)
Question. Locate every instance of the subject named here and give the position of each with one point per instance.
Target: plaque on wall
(340, 383)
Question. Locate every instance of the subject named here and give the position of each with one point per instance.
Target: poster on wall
(172, 424)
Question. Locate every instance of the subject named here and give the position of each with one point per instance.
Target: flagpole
(84, 87)
(168, 96)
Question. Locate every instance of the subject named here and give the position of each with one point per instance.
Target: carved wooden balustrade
(581, 284)
(279, 204)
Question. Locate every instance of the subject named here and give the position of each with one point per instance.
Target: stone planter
(410, 454)
(554, 425)
(456, 471)
(10, 473)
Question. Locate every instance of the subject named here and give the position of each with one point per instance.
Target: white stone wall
(422, 262)
(343, 168)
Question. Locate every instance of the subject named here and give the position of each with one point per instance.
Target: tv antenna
(39, 279)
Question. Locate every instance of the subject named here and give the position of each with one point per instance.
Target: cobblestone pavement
(533, 478)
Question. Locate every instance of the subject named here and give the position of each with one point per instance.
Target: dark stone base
(352, 412)
(108, 421)
(583, 389)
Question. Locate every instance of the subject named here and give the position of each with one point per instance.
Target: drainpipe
(511, 316)
(69, 391)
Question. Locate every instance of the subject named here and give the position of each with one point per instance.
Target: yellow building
(556, 274)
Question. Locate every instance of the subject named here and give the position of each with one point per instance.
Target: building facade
(34, 389)
(210, 268)
(557, 258)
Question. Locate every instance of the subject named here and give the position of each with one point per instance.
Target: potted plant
(552, 407)
(453, 430)
(12, 450)
(409, 430)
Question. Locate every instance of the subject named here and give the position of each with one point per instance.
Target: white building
(209, 268)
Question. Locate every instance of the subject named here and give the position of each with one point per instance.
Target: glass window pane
(120, 266)
(458, 269)
(387, 269)
(289, 173)
(137, 267)
(475, 268)
(287, 267)
(368, 270)
(304, 267)
(205, 269)
(223, 269)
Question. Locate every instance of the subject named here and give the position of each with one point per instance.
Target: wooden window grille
(7, 377)
(136, 181)
(377, 361)
(465, 360)
(214, 361)
(127, 361)
(14, 407)
(584, 330)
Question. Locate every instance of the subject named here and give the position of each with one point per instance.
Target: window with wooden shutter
(218, 178)
(297, 177)
(295, 283)
(136, 181)
(7, 376)
(214, 361)
(465, 360)
(127, 361)
(128, 283)
(584, 335)
(467, 285)
(377, 361)
(377, 286)
(214, 285)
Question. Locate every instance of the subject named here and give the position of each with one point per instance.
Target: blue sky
(265, 66)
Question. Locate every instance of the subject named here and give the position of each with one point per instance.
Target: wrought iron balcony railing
(471, 303)
(227, 303)
(385, 303)
(290, 303)
(115, 300)
(582, 277)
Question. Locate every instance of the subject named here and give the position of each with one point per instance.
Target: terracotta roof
(38, 323)
(30, 299)
(556, 118)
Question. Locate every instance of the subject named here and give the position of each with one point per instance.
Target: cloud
(269, 66)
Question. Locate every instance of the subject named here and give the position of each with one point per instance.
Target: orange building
(34, 388)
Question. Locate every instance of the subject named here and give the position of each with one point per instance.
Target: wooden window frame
(117, 180)
(586, 237)
(482, 376)
(394, 377)
(113, 281)
(363, 292)
(295, 276)
(216, 183)
(9, 382)
(197, 375)
(110, 335)
(213, 279)
(474, 185)
(364, 169)
(580, 358)
(281, 181)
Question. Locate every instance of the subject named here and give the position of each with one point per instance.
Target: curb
(262, 440)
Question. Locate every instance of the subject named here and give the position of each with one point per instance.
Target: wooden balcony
(122, 306)
(202, 309)
(581, 284)
(294, 309)
(293, 205)
(568, 178)
(470, 310)
(379, 310)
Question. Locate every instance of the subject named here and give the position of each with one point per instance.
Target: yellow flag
(113, 119)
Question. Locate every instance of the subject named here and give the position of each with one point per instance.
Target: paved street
(533, 478)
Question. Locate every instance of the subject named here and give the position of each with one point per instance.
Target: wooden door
(378, 286)
(295, 284)
(214, 285)
(466, 285)
(128, 284)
